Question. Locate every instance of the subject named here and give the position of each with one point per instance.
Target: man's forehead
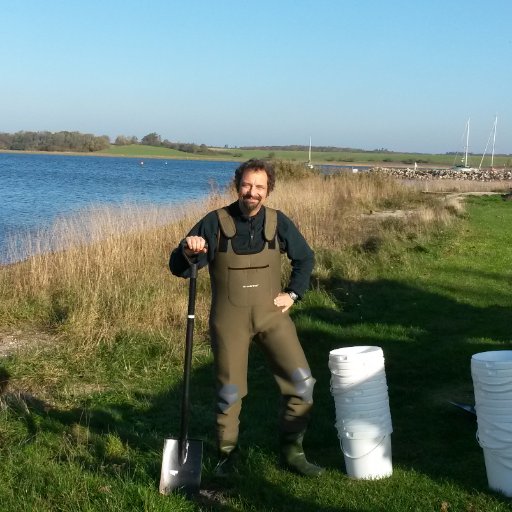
(257, 172)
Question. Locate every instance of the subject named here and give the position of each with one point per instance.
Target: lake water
(35, 190)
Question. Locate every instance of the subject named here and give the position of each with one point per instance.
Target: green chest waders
(243, 290)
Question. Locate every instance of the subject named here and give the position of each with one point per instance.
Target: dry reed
(105, 271)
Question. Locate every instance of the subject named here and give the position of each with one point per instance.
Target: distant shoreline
(209, 158)
(106, 155)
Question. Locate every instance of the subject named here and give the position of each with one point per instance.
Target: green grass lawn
(325, 157)
(92, 441)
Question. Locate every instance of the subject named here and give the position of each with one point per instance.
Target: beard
(250, 203)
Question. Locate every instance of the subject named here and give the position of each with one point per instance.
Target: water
(36, 190)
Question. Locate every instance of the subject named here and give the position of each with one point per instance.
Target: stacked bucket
(363, 418)
(492, 384)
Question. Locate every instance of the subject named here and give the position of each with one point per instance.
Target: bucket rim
(491, 356)
(356, 351)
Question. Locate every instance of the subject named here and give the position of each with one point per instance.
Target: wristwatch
(293, 296)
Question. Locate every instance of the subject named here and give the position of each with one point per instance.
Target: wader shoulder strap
(226, 222)
(228, 229)
(270, 224)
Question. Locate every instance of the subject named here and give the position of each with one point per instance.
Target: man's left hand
(283, 300)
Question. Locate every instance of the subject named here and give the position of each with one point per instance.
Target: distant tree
(5, 140)
(60, 141)
(151, 139)
(121, 140)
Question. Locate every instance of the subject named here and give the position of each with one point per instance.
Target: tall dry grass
(105, 271)
(447, 185)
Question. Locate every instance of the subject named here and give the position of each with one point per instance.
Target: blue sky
(402, 75)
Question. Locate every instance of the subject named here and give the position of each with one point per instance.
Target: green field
(82, 425)
(318, 157)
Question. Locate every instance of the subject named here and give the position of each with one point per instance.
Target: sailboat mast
(467, 144)
(494, 141)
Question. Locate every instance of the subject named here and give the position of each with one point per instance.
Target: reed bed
(105, 271)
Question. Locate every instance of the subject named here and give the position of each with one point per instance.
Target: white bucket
(361, 379)
(495, 438)
(368, 388)
(362, 361)
(486, 393)
(357, 375)
(492, 382)
(363, 400)
(355, 353)
(483, 411)
(363, 418)
(377, 398)
(499, 470)
(495, 359)
(371, 433)
(364, 430)
(358, 384)
(345, 410)
(360, 424)
(368, 459)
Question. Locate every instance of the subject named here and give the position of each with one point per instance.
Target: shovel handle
(185, 402)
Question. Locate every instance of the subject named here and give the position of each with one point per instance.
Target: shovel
(182, 457)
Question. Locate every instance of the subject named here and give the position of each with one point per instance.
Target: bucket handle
(360, 456)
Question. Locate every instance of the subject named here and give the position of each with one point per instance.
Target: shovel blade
(186, 475)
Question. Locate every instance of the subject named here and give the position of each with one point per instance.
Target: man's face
(253, 191)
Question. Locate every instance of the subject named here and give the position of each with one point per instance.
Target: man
(242, 244)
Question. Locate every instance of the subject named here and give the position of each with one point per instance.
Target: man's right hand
(195, 245)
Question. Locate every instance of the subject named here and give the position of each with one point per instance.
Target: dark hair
(256, 165)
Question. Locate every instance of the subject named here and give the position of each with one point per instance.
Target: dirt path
(16, 340)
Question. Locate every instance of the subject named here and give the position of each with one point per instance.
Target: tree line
(316, 149)
(58, 141)
(154, 139)
(86, 142)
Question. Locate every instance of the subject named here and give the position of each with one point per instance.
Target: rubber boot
(293, 457)
(228, 459)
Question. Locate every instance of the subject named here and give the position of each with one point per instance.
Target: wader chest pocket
(249, 286)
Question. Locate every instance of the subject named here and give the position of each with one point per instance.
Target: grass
(82, 420)
(319, 157)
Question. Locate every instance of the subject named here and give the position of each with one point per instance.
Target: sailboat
(465, 166)
(493, 133)
(309, 165)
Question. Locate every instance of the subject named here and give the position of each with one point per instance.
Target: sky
(368, 74)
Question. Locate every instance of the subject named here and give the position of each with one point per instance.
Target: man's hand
(195, 245)
(283, 300)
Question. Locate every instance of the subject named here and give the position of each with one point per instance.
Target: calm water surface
(38, 189)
